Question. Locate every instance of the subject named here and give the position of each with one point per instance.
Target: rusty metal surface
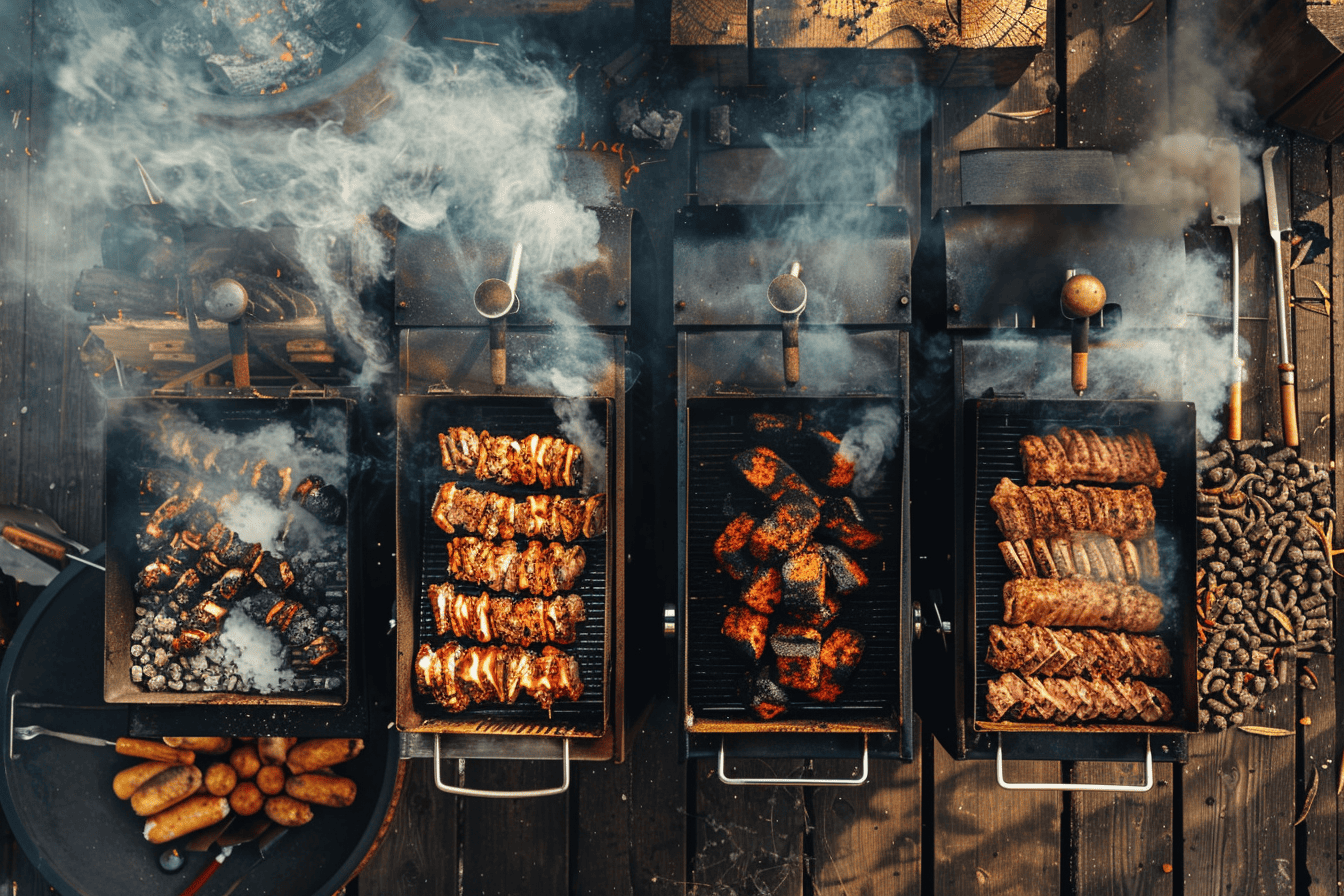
(832, 361)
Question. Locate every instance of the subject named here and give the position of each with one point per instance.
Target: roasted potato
(245, 761)
(220, 779)
(271, 779)
(273, 750)
(246, 798)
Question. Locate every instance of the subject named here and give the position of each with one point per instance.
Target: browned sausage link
(172, 785)
(128, 780)
(149, 749)
(185, 818)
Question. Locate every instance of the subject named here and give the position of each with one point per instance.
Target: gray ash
(1265, 580)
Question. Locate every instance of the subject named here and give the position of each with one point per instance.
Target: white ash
(254, 653)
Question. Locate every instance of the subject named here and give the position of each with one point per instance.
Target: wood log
(112, 293)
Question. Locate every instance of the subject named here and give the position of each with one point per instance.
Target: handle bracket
(1148, 779)
(500, 794)
(794, 782)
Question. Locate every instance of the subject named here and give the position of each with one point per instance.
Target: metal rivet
(905, 300)
(681, 306)
(956, 309)
(620, 303)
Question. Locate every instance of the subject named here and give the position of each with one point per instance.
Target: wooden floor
(1223, 823)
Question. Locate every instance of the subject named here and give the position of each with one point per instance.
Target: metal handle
(790, 782)
(1095, 788)
(500, 794)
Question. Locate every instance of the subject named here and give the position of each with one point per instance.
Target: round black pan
(58, 795)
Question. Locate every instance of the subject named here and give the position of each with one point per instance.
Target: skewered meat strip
(1036, 650)
(1043, 512)
(547, 461)
(457, 676)
(493, 515)
(489, 617)
(541, 568)
(1083, 554)
(1083, 603)
(1031, 699)
(1072, 455)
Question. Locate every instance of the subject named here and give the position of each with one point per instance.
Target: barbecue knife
(1225, 207)
(1276, 203)
(26, 530)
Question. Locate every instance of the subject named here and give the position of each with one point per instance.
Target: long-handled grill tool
(788, 296)
(26, 530)
(1276, 203)
(229, 303)
(494, 299)
(1082, 296)
(1225, 207)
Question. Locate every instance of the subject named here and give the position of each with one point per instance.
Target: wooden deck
(1223, 823)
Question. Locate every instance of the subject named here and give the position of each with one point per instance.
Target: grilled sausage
(325, 790)
(246, 798)
(128, 780)
(312, 755)
(148, 749)
(172, 785)
(273, 750)
(220, 779)
(288, 811)
(271, 779)
(245, 761)
(201, 744)
(185, 818)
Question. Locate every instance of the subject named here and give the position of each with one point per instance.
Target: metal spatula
(1225, 207)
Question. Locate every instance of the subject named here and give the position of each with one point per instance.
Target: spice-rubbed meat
(546, 461)
(1082, 603)
(457, 676)
(494, 515)
(1083, 554)
(1050, 652)
(1043, 512)
(1072, 455)
(490, 617)
(540, 568)
(1028, 698)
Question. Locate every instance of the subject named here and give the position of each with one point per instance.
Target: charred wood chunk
(788, 527)
(322, 500)
(763, 589)
(845, 572)
(842, 520)
(732, 547)
(764, 696)
(746, 631)
(804, 585)
(797, 650)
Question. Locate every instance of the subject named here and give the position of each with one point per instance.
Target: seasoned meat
(1086, 456)
(1043, 512)
(1036, 650)
(1081, 554)
(547, 461)
(494, 515)
(457, 676)
(487, 617)
(1028, 698)
(1081, 602)
(540, 568)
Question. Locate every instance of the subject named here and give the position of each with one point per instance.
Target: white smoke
(870, 444)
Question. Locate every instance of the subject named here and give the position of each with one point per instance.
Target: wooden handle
(32, 542)
(203, 877)
(1288, 398)
(499, 359)
(1080, 371)
(1234, 412)
(791, 350)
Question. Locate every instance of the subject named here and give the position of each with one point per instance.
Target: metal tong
(1276, 203)
(1225, 207)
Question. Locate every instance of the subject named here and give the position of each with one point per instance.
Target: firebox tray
(998, 426)
(421, 475)
(718, 429)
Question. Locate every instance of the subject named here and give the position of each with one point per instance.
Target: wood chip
(1022, 116)
(1143, 12)
(1267, 732)
(1281, 618)
(1324, 292)
(1339, 787)
(1311, 795)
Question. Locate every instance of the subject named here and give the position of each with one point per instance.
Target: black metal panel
(855, 263)
(757, 175)
(832, 361)
(1027, 364)
(1038, 177)
(435, 281)
(995, 429)
(1011, 259)
(540, 362)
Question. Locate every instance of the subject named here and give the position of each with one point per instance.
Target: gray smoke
(578, 426)
(870, 444)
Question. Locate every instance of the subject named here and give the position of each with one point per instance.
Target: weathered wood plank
(1320, 746)
(1236, 816)
(1310, 284)
(748, 838)
(1116, 87)
(632, 831)
(512, 846)
(868, 839)
(721, 23)
(419, 853)
(1122, 843)
(987, 840)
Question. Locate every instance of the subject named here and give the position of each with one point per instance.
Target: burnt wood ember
(487, 617)
(1265, 578)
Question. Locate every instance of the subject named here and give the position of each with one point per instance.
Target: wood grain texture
(1310, 284)
(720, 23)
(1320, 747)
(1236, 817)
(1117, 74)
(891, 24)
(748, 839)
(1122, 843)
(512, 846)
(419, 853)
(868, 839)
(987, 840)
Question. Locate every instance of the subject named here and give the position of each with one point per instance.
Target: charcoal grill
(733, 362)
(453, 375)
(320, 423)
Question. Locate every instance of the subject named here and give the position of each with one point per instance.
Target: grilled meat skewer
(1083, 554)
(457, 676)
(1080, 602)
(1071, 455)
(1043, 512)
(489, 617)
(540, 568)
(1051, 652)
(494, 515)
(547, 461)
(1031, 699)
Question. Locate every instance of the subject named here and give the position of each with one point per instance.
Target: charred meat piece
(457, 676)
(746, 631)
(1045, 512)
(797, 650)
(733, 547)
(493, 515)
(1036, 650)
(1072, 456)
(547, 461)
(1031, 699)
(764, 695)
(788, 527)
(845, 572)
(1083, 603)
(541, 568)
(763, 589)
(841, 519)
(488, 617)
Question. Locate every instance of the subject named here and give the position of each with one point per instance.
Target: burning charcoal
(765, 697)
(746, 632)
(797, 651)
(762, 590)
(841, 518)
(804, 577)
(321, 500)
(845, 572)
(731, 547)
(787, 528)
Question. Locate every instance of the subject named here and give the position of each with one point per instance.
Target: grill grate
(515, 416)
(999, 427)
(718, 430)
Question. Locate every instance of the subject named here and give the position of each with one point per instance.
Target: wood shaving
(1143, 12)
(1267, 732)
(1311, 795)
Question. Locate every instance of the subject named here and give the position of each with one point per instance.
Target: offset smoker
(840, 362)
(1015, 373)
(462, 365)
